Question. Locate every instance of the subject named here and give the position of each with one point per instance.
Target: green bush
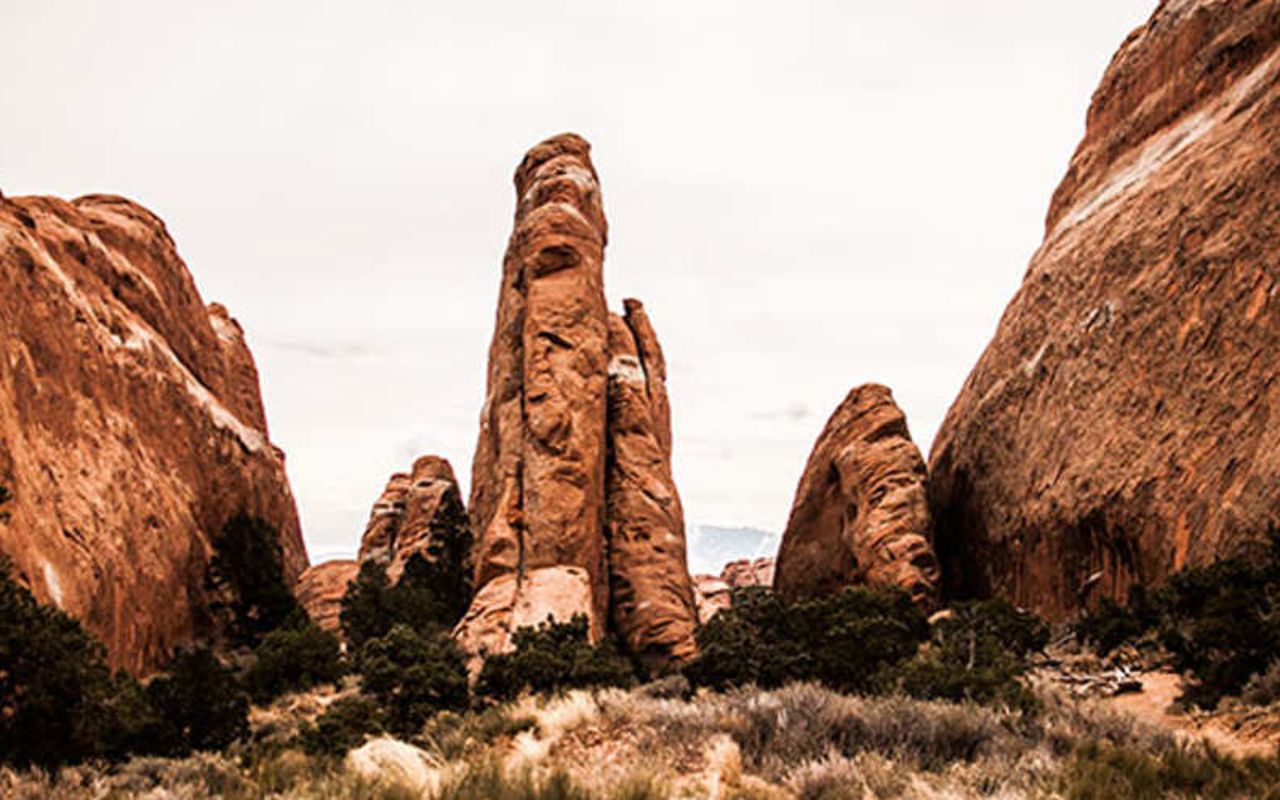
(850, 641)
(343, 726)
(429, 596)
(979, 653)
(200, 705)
(296, 656)
(59, 702)
(553, 657)
(1220, 623)
(413, 675)
(246, 578)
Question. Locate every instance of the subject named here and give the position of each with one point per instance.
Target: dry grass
(801, 741)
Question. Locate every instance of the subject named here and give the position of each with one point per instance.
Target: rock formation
(1118, 426)
(131, 426)
(713, 593)
(650, 589)
(321, 588)
(572, 397)
(749, 572)
(860, 513)
(418, 513)
(537, 488)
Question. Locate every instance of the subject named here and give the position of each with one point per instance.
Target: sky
(807, 196)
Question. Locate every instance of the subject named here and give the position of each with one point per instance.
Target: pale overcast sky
(807, 196)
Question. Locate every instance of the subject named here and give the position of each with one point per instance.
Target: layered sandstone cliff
(572, 501)
(1119, 425)
(131, 426)
(714, 593)
(320, 590)
(860, 514)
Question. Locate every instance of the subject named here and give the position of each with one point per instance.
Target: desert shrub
(200, 705)
(1263, 689)
(59, 702)
(979, 653)
(429, 595)
(1102, 772)
(296, 656)
(413, 675)
(1220, 623)
(343, 726)
(489, 781)
(246, 579)
(452, 735)
(1111, 625)
(553, 657)
(848, 641)
(804, 722)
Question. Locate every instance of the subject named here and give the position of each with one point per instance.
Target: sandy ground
(1241, 732)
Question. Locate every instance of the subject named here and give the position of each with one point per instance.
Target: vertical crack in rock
(860, 514)
(653, 601)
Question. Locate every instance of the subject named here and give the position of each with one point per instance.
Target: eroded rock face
(572, 502)
(651, 592)
(537, 497)
(860, 515)
(1119, 427)
(321, 588)
(131, 426)
(418, 513)
(749, 572)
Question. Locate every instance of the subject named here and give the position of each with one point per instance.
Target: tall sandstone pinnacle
(1119, 425)
(651, 590)
(556, 479)
(131, 425)
(860, 514)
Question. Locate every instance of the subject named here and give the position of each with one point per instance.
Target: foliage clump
(343, 726)
(430, 595)
(980, 653)
(246, 578)
(553, 657)
(851, 641)
(59, 701)
(413, 675)
(200, 705)
(1220, 623)
(294, 657)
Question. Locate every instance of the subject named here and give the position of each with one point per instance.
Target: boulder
(131, 425)
(860, 514)
(1118, 426)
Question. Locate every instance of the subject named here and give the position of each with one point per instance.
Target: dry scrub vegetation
(799, 741)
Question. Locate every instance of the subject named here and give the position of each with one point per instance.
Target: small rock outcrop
(419, 512)
(714, 593)
(321, 588)
(131, 425)
(1118, 426)
(860, 515)
(572, 502)
(651, 593)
